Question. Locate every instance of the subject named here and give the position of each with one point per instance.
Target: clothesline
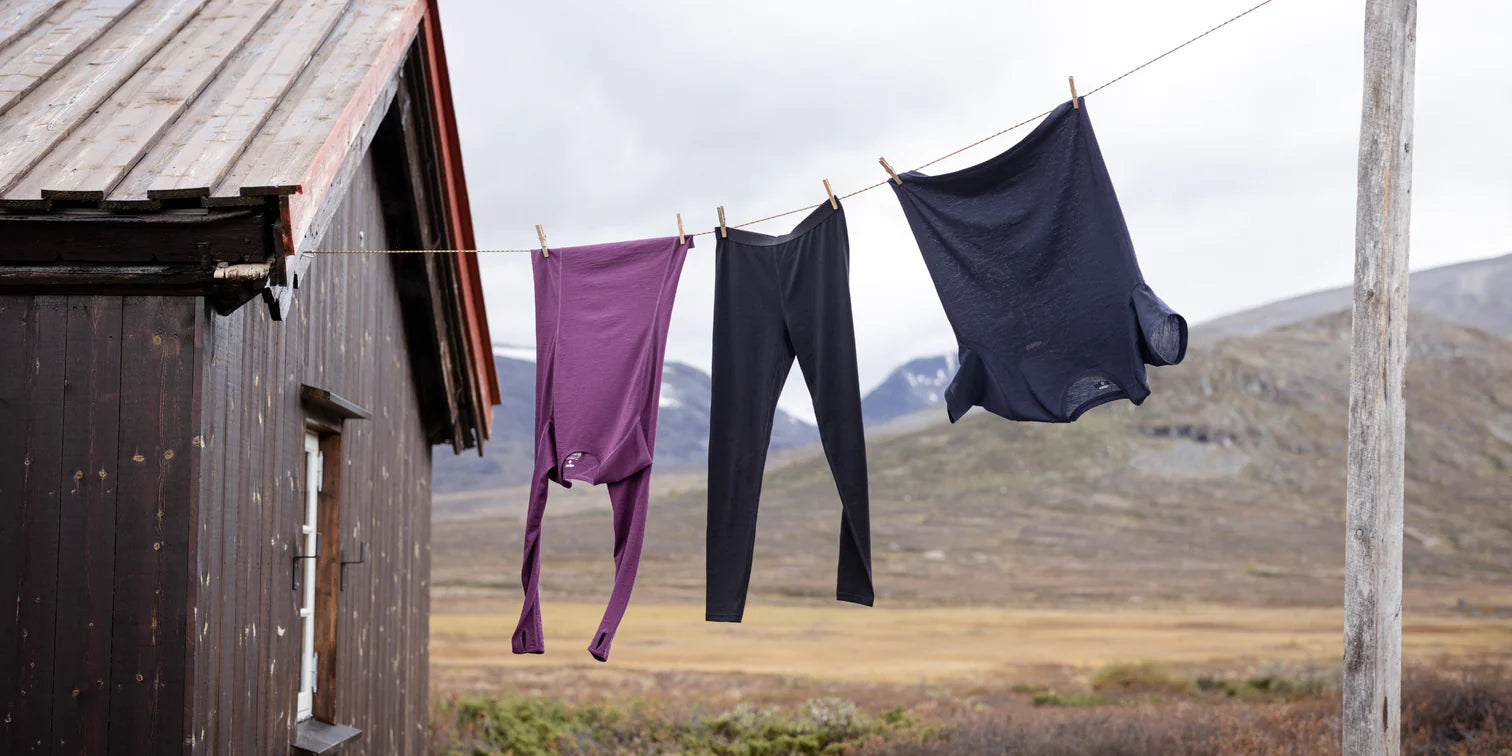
(1037, 343)
(862, 190)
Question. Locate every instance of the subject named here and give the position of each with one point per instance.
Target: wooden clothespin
(724, 233)
(541, 232)
(834, 203)
(889, 170)
(1072, 81)
(680, 234)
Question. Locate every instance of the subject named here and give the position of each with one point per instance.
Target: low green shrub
(1144, 676)
(533, 726)
(1276, 682)
(1074, 698)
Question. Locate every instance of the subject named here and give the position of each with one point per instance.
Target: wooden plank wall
(158, 355)
(155, 450)
(344, 334)
(31, 409)
(87, 520)
(98, 409)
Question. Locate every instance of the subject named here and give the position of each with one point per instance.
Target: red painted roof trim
(459, 217)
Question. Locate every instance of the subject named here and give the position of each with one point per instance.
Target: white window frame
(309, 542)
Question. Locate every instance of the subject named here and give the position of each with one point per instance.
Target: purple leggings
(601, 330)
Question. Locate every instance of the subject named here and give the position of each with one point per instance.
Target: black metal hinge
(360, 560)
(294, 582)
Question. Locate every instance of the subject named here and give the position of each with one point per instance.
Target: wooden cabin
(215, 445)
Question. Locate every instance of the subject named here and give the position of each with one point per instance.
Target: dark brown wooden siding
(345, 335)
(151, 464)
(95, 473)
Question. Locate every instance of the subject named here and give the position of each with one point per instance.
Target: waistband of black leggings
(820, 214)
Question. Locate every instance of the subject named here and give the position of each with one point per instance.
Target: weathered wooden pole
(1377, 406)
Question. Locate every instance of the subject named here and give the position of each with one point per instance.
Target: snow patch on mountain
(915, 385)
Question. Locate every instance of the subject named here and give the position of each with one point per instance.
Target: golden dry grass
(932, 645)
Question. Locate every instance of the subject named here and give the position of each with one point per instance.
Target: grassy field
(844, 679)
(1159, 580)
(846, 642)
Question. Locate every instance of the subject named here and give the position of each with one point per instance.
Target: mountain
(507, 456)
(915, 385)
(682, 427)
(682, 433)
(1475, 293)
(1226, 486)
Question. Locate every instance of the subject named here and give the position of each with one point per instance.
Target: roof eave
(458, 212)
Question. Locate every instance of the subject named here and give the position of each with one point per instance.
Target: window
(320, 567)
(309, 543)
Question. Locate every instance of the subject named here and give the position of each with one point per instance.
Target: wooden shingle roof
(126, 104)
(218, 137)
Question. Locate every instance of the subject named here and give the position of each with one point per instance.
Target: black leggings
(776, 297)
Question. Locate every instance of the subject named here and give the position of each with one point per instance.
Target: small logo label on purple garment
(572, 459)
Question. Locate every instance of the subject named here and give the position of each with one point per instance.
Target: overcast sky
(1234, 159)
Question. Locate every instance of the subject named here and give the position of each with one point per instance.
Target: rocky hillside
(1475, 293)
(1226, 486)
